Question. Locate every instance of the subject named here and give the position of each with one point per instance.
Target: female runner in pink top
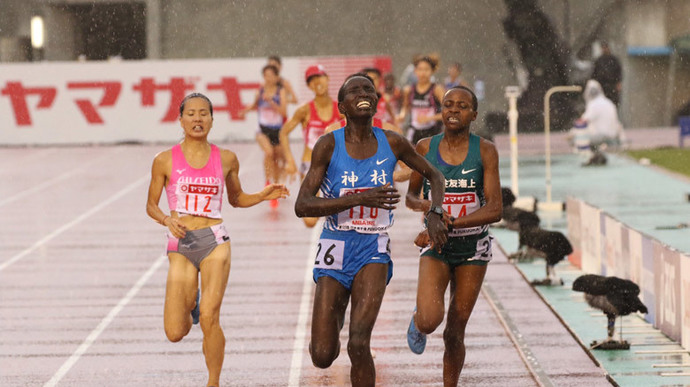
(193, 174)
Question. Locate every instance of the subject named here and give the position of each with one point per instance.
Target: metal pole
(512, 93)
(547, 133)
(154, 29)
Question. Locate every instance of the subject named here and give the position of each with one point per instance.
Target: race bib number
(461, 204)
(419, 112)
(329, 254)
(195, 198)
(367, 220)
(484, 249)
(270, 117)
(313, 135)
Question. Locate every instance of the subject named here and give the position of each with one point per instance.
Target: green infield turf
(673, 159)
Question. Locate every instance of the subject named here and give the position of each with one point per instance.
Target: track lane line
(42, 153)
(523, 349)
(67, 365)
(54, 180)
(74, 222)
(304, 307)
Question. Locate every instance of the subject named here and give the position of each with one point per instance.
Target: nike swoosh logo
(375, 258)
(468, 171)
(181, 170)
(381, 162)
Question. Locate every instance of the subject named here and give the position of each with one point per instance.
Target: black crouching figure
(615, 297)
(510, 212)
(537, 242)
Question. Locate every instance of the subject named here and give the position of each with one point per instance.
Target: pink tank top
(316, 126)
(195, 191)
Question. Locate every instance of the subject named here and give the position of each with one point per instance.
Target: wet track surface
(83, 280)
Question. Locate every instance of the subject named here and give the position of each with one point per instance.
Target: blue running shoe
(195, 311)
(416, 340)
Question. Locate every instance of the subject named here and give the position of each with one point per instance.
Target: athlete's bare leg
(368, 289)
(269, 156)
(279, 164)
(434, 276)
(330, 302)
(180, 297)
(215, 269)
(464, 290)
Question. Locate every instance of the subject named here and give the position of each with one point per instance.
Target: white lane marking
(525, 352)
(104, 323)
(304, 306)
(39, 187)
(74, 222)
(33, 156)
(54, 180)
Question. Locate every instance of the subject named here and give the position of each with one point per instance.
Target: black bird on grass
(615, 297)
(551, 245)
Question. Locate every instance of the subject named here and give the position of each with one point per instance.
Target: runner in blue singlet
(353, 167)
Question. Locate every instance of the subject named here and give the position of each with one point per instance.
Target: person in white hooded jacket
(599, 124)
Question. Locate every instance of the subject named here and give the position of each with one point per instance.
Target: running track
(82, 281)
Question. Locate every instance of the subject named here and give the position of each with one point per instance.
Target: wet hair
(475, 103)
(341, 91)
(272, 68)
(428, 60)
(374, 70)
(196, 95)
(275, 58)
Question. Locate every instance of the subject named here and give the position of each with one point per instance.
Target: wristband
(163, 221)
(435, 210)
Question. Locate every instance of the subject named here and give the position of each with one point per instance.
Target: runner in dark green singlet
(472, 201)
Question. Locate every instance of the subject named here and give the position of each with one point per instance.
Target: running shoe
(195, 311)
(416, 340)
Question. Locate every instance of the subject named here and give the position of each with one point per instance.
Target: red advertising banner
(108, 102)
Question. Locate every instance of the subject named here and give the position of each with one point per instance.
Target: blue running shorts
(342, 254)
